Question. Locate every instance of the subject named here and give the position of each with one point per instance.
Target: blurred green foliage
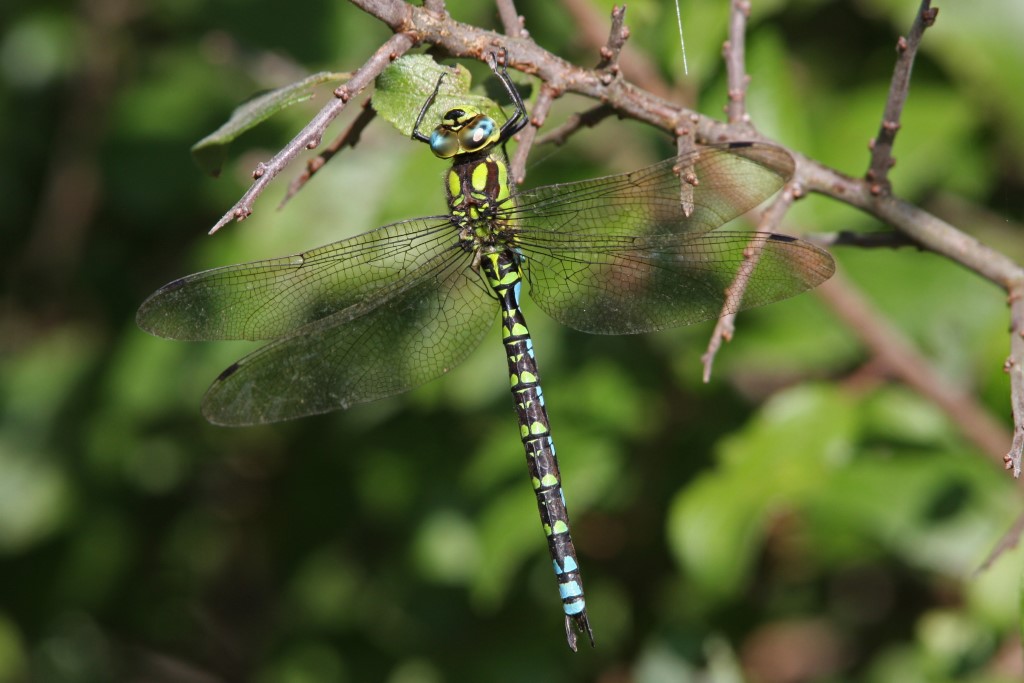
(799, 518)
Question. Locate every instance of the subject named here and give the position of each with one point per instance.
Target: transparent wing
(691, 194)
(628, 285)
(377, 348)
(271, 298)
(390, 309)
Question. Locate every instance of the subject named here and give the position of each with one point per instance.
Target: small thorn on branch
(618, 34)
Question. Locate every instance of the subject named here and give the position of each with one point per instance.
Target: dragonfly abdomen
(504, 277)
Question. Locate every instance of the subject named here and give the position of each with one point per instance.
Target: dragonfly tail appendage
(583, 624)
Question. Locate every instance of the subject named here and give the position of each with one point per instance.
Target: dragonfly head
(463, 131)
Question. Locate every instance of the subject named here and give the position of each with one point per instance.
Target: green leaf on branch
(211, 152)
(403, 88)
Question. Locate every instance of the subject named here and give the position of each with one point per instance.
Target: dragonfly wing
(271, 298)
(633, 285)
(366, 352)
(693, 193)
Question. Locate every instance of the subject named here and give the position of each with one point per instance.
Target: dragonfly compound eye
(478, 133)
(444, 143)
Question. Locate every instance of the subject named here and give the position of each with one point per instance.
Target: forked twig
(617, 37)
(349, 138)
(881, 146)
(610, 43)
(734, 54)
(311, 135)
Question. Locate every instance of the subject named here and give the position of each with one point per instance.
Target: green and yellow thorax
(479, 192)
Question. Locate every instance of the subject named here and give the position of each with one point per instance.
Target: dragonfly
(385, 311)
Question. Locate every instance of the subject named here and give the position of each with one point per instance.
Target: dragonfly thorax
(480, 200)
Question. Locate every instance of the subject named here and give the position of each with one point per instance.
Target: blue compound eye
(478, 133)
(444, 143)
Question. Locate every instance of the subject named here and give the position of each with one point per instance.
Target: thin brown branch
(921, 227)
(575, 123)
(618, 34)
(890, 347)
(310, 136)
(593, 32)
(864, 240)
(881, 146)
(526, 138)
(687, 177)
(1007, 541)
(349, 138)
(735, 53)
(511, 20)
(934, 234)
(726, 325)
(470, 42)
(1015, 367)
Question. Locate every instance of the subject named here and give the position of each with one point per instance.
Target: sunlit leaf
(405, 86)
(211, 151)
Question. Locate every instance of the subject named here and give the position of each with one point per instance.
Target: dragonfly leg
(518, 120)
(416, 134)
